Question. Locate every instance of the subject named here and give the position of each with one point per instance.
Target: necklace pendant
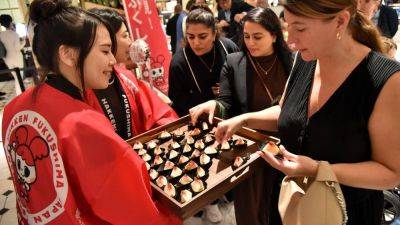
(266, 73)
(210, 70)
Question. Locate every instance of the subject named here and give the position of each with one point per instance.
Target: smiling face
(200, 38)
(123, 43)
(99, 63)
(312, 37)
(258, 40)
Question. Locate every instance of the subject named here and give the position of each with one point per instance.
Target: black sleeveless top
(338, 131)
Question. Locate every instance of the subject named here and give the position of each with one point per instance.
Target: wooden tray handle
(234, 177)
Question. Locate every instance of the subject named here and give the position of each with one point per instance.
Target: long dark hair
(113, 18)
(268, 19)
(361, 28)
(57, 23)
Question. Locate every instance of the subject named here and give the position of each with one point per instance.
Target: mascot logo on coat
(36, 167)
(24, 154)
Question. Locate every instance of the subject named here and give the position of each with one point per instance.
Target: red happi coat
(147, 109)
(70, 167)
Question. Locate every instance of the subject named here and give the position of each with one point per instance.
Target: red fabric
(147, 109)
(144, 22)
(85, 173)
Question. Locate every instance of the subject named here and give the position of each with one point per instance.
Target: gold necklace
(269, 95)
(205, 64)
(266, 71)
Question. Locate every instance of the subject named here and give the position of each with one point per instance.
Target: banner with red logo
(143, 22)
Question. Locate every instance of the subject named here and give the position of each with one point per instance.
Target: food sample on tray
(240, 144)
(164, 136)
(137, 146)
(178, 161)
(239, 161)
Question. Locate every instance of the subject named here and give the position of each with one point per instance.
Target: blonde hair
(388, 44)
(361, 28)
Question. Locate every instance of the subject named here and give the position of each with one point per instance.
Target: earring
(111, 81)
(338, 36)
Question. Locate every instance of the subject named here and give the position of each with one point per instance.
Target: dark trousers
(256, 198)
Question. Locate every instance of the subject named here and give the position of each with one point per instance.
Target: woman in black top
(251, 80)
(341, 105)
(194, 70)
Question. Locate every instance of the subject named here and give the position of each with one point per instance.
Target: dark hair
(57, 23)
(269, 21)
(361, 28)
(114, 20)
(202, 15)
(189, 4)
(282, 15)
(5, 20)
(200, 6)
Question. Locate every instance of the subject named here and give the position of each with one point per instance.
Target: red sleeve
(110, 175)
(155, 111)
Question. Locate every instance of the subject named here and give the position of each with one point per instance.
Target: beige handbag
(312, 201)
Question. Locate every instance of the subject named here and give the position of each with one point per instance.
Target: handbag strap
(223, 46)
(340, 198)
(325, 174)
(191, 70)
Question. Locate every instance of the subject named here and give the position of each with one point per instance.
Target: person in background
(258, 3)
(145, 110)
(340, 105)
(389, 47)
(251, 80)
(284, 25)
(387, 20)
(171, 27)
(65, 158)
(194, 70)
(230, 14)
(180, 33)
(13, 45)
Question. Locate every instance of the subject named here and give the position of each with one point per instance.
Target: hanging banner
(144, 23)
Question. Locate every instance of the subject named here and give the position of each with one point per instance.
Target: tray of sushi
(188, 169)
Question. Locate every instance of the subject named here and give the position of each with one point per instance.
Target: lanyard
(124, 129)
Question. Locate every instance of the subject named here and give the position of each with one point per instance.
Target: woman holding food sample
(339, 105)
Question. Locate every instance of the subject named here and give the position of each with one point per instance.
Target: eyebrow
(253, 33)
(297, 23)
(105, 45)
(194, 34)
